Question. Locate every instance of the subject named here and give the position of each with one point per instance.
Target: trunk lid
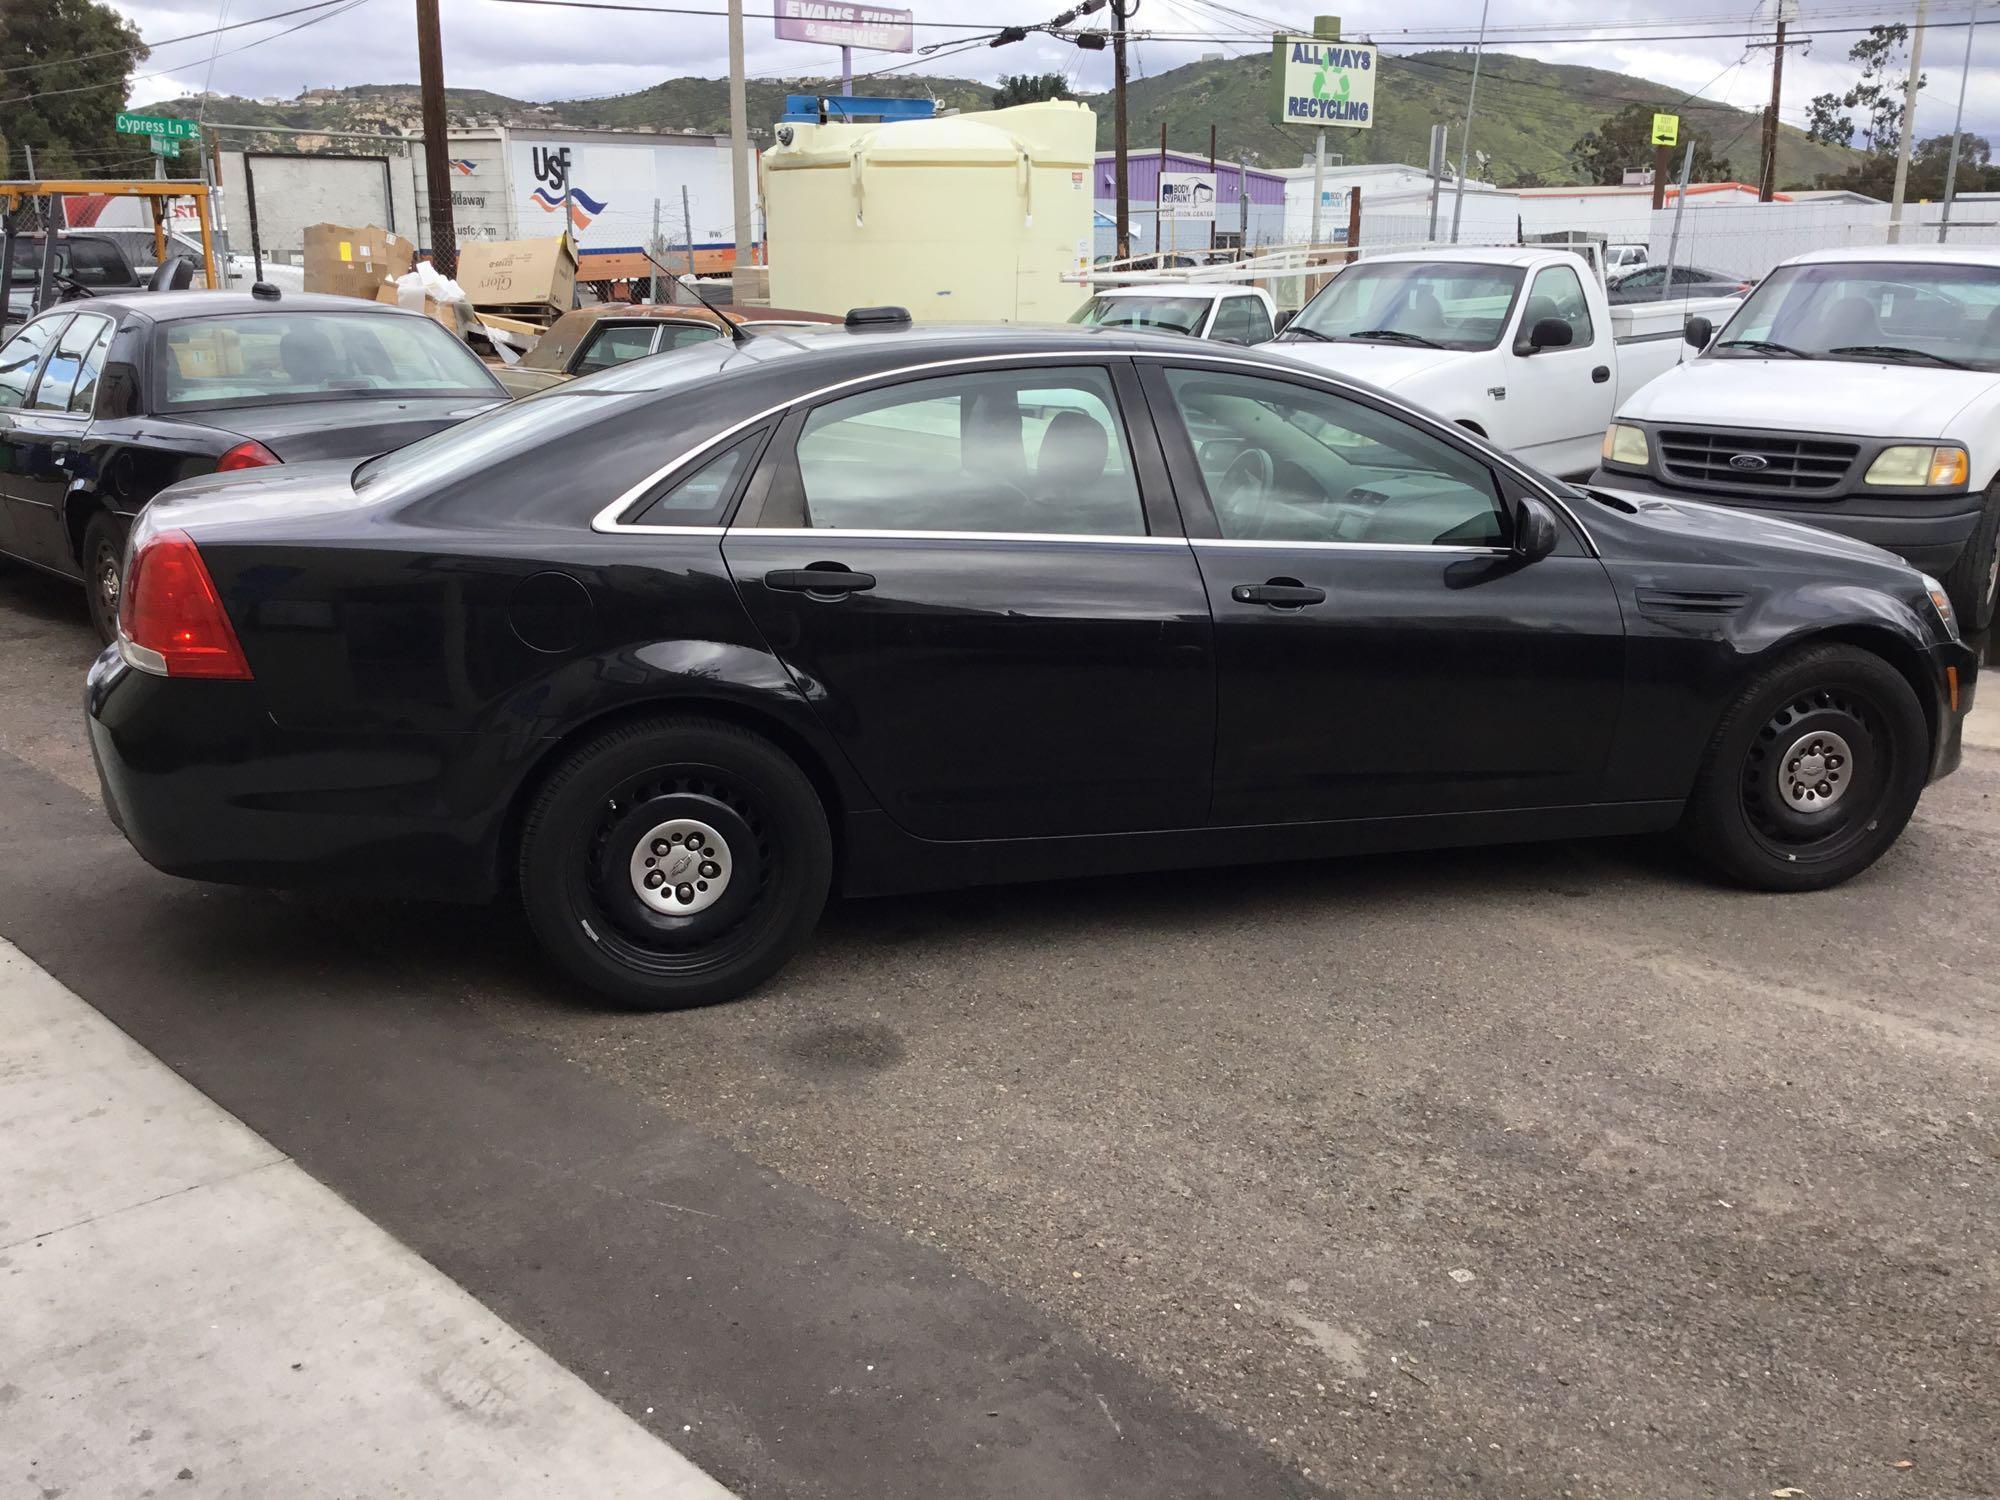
(350, 427)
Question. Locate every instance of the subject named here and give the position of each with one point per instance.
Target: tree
(1876, 97)
(1029, 88)
(63, 102)
(1625, 140)
(1875, 174)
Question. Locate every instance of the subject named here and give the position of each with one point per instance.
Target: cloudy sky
(540, 52)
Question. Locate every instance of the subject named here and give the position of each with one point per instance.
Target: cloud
(537, 52)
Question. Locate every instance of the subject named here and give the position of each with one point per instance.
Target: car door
(976, 577)
(1559, 398)
(49, 435)
(1380, 650)
(22, 448)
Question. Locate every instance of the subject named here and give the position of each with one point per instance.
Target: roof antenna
(738, 335)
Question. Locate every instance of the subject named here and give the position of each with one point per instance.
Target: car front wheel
(1812, 773)
(674, 861)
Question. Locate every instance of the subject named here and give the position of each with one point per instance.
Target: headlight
(1919, 467)
(1941, 602)
(1626, 445)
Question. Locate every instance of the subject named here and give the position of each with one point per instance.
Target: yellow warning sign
(1666, 130)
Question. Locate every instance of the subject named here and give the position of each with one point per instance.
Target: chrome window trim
(874, 534)
(1431, 548)
(606, 520)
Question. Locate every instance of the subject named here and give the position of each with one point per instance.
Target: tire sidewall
(102, 529)
(1969, 580)
(557, 833)
(1722, 824)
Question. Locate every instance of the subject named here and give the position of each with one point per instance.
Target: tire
(1812, 773)
(729, 825)
(103, 562)
(1974, 580)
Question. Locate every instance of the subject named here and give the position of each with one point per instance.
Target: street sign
(1187, 197)
(166, 127)
(1319, 82)
(1666, 130)
(872, 27)
(164, 147)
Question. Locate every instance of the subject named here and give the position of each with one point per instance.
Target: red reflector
(246, 456)
(169, 608)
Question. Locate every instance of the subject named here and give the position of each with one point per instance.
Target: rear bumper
(204, 785)
(1929, 534)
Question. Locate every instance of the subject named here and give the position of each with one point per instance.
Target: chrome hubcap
(107, 580)
(680, 867)
(1815, 772)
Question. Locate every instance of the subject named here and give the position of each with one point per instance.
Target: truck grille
(1784, 465)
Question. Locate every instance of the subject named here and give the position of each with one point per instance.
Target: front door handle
(1601, 374)
(820, 578)
(1278, 593)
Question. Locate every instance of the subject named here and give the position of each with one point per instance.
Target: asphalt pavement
(1523, 1172)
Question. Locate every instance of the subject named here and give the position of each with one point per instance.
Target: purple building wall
(1143, 176)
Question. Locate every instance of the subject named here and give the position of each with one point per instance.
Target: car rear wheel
(1812, 773)
(104, 572)
(674, 861)
(1974, 580)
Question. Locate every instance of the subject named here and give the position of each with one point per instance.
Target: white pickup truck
(1855, 390)
(1518, 345)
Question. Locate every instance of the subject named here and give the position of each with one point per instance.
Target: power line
(192, 36)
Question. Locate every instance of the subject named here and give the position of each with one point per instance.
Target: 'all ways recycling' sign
(1320, 82)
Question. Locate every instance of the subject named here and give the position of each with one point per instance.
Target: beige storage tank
(968, 218)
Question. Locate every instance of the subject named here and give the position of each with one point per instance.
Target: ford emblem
(1749, 462)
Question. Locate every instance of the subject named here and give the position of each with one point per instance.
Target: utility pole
(1958, 125)
(1327, 29)
(1212, 178)
(437, 160)
(1465, 139)
(1437, 175)
(1120, 168)
(739, 136)
(1909, 122)
(687, 227)
(1160, 195)
(1767, 149)
(655, 250)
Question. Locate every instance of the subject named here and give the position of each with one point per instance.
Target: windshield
(1170, 314)
(1907, 312)
(262, 359)
(1445, 304)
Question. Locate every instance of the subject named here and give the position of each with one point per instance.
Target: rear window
(262, 358)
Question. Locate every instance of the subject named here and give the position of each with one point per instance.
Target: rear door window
(1015, 451)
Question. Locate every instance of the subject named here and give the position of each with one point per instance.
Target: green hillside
(1529, 114)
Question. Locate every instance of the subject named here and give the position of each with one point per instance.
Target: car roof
(1212, 290)
(1952, 255)
(694, 313)
(1486, 255)
(167, 307)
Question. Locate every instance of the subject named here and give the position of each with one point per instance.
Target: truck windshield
(1899, 312)
(1445, 304)
(1170, 314)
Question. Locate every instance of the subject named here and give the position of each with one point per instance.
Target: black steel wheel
(1812, 773)
(103, 562)
(674, 861)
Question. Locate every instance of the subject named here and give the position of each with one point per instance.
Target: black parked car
(103, 403)
(1643, 285)
(675, 648)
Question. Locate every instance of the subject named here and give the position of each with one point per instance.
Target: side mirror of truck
(1284, 319)
(1534, 530)
(1698, 331)
(1548, 333)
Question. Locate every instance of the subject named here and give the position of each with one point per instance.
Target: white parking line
(187, 1311)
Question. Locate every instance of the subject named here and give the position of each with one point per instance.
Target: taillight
(246, 455)
(170, 619)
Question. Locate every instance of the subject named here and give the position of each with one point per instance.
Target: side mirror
(1549, 333)
(1285, 319)
(1534, 530)
(1698, 331)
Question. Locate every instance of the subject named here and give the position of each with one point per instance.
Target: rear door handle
(1279, 593)
(822, 578)
(1601, 374)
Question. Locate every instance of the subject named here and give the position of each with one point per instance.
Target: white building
(1623, 215)
(1395, 206)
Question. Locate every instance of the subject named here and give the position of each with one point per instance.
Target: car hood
(1717, 533)
(1384, 365)
(300, 432)
(1851, 397)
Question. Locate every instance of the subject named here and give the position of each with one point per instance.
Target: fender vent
(1682, 604)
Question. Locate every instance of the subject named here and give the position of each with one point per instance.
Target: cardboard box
(455, 316)
(353, 261)
(518, 273)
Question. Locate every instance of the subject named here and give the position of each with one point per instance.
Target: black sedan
(104, 403)
(675, 649)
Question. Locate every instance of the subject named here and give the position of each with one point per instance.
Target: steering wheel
(1241, 492)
